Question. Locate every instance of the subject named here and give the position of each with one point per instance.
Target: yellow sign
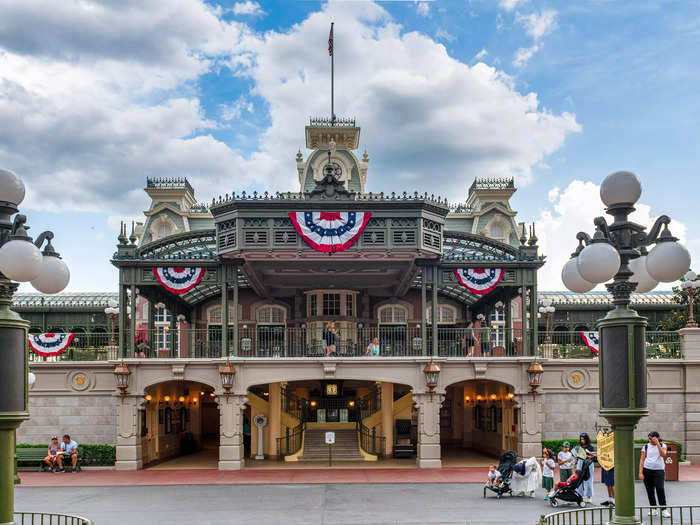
(606, 450)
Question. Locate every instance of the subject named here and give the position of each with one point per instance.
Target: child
(577, 473)
(494, 476)
(548, 466)
(565, 460)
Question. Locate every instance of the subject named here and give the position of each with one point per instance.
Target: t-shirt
(548, 468)
(373, 349)
(654, 460)
(566, 458)
(494, 475)
(53, 449)
(69, 447)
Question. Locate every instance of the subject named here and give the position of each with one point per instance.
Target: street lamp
(20, 260)
(534, 375)
(112, 313)
(617, 252)
(547, 311)
(689, 287)
(431, 371)
(227, 371)
(121, 376)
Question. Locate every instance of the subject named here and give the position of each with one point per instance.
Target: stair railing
(293, 440)
(370, 442)
(369, 404)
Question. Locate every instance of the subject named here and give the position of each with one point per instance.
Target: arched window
(214, 314)
(497, 232)
(393, 314)
(447, 314)
(271, 314)
(164, 230)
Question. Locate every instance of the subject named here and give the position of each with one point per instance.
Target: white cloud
(524, 54)
(509, 5)
(538, 25)
(481, 54)
(99, 110)
(247, 8)
(441, 34)
(572, 210)
(423, 8)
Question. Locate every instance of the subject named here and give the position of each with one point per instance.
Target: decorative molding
(79, 380)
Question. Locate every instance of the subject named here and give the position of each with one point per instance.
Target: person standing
(584, 450)
(548, 466)
(652, 471)
(608, 479)
(469, 340)
(565, 460)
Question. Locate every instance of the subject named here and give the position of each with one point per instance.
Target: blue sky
(557, 94)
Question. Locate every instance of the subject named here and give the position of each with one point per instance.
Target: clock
(334, 169)
(331, 389)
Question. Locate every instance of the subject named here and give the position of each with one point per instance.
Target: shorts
(565, 473)
(608, 477)
(547, 483)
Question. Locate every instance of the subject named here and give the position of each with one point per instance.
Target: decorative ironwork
(472, 247)
(189, 245)
(496, 183)
(169, 183)
(335, 121)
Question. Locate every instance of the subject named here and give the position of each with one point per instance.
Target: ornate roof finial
(533, 238)
(365, 157)
(523, 235)
(300, 157)
(132, 237)
(122, 233)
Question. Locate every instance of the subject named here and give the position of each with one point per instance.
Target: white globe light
(598, 262)
(54, 275)
(11, 187)
(686, 284)
(551, 309)
(696, 284)
(620, 187)
(573, 280)
(20, 260)
(668, 261)
(645, 282)
(112, 303)
(690, 276)
(546, 302)
(31, 378)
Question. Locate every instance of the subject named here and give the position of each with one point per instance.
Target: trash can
(671, 461)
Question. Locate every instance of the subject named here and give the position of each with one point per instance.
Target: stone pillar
(690, 343)
(529, 425)
(128, 435)
(428, 453)
(275, 422)
(231, 450)
(388, 417)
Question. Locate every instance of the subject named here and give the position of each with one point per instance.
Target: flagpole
(332, 80)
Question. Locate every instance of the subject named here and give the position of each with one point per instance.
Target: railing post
(235, 311)
(286, 435)
(224, 315)
(423, 300)
(434, 319)
(374, 441)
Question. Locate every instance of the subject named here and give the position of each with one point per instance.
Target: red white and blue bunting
(479, 281)
(590, 339)
(179, 280)
(47, 345)
(330, 232)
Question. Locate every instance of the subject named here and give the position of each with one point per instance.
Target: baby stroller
(505, 467)
(570, 494)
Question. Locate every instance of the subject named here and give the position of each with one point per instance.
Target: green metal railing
(291, 442)
(47, 518)
(570, 345)
(680, 515)
(370, 442)
(369, 403)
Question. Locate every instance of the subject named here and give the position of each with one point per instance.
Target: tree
(679, 318)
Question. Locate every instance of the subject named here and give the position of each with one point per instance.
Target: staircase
(346, 447)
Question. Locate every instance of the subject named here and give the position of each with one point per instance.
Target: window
(497, 232)
(348, 305)
(271, 315)
(164, 230)
(393, 314)
(331, 304)
(447, 314)
(313, 306)
(162, 315)
(214, 314)
(497, 315)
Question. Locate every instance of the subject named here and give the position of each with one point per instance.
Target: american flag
(330, 41)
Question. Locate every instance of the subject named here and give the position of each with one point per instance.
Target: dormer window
(164, 230)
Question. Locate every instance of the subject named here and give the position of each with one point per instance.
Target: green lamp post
(20, 260)
(617, 252)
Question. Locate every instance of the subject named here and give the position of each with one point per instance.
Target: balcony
(265, 341)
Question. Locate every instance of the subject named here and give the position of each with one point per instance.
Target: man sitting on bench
(69, 449)
(52, 457)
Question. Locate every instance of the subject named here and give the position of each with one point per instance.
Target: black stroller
(570, 494)
(505, 467)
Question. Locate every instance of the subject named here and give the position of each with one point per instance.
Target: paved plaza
(308, 504)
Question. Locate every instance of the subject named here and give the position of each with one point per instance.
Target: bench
(37, 455)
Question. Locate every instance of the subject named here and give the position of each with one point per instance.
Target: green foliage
(555, 444)
(89, 454)
(679, 317)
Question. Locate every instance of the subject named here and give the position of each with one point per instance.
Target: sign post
(330, 441)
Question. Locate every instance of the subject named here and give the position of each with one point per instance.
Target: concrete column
(231, 450)
(690, 343)
(530, 425)
(128, 436)
(275, 400)
(428, 405)
(388, 417)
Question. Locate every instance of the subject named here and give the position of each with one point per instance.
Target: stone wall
(87, 419)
